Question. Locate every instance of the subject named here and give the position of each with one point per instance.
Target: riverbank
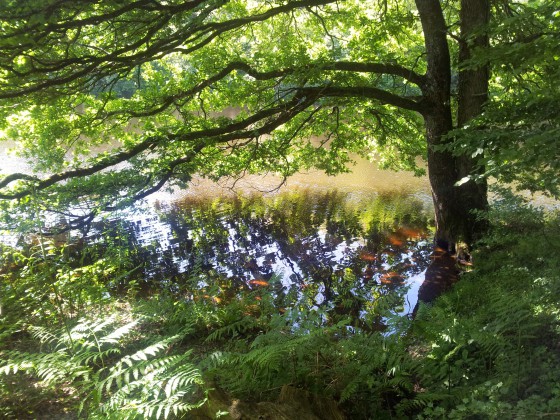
(488, 347)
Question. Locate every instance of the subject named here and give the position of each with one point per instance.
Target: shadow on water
(343, 255)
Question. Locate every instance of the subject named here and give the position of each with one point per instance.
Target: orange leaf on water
(258, 282)
(395, 240)
(391, 277)
(367, 256)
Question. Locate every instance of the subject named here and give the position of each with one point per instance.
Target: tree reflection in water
(329, 250)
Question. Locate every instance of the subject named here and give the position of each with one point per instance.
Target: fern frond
(146, 383)
(150, 388)
(119, 333)
(234, 329)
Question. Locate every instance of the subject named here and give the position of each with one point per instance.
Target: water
(354, 245)
(338, 253)
(342, 242)
(357, 244)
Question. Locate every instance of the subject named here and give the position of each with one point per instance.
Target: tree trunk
(442, 173)
(442, 169)
(453, 205)
(473, 94)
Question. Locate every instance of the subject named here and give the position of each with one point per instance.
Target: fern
(233, 329)
(147, 382)
(149, 387)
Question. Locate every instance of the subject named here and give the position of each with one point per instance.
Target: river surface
(350, 239)
(360, 256)
(356, 244)
(365, 177)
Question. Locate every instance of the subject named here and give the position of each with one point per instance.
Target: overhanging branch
(270, 118)
(154, 43)
(365, 92)
(344, 66)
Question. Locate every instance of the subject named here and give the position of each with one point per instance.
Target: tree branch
(348, 66)
(235, 131)
(378, 68)
(16, 177)
(154, 43)
(366, 92)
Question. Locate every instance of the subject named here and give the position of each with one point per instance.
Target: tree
(516, 136)
(364, 76)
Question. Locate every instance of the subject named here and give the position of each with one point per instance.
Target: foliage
(63, 334)
(50, 282)
(86, 361)
(111, 352)
(493, 354)
(225, 89)
(516, 136)
(111, 101)
(217, 89)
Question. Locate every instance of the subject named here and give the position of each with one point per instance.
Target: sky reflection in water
(323, 248)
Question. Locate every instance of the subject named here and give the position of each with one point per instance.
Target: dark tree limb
(235, 131)
(345, 66)
(148, 46)
(367, 92)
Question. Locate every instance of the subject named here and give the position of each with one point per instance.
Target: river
(346, 242)
(258, 232)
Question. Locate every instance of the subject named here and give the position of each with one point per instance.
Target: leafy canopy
(111, 101)
(516, 137)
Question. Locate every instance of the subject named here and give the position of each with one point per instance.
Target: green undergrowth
(490, 348)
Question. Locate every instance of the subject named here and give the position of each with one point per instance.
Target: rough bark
(437, 116)
(473, 94)
(453, 205)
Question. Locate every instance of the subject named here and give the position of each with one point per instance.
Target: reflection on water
(343, 252)
(365, 177)
(345, 256)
